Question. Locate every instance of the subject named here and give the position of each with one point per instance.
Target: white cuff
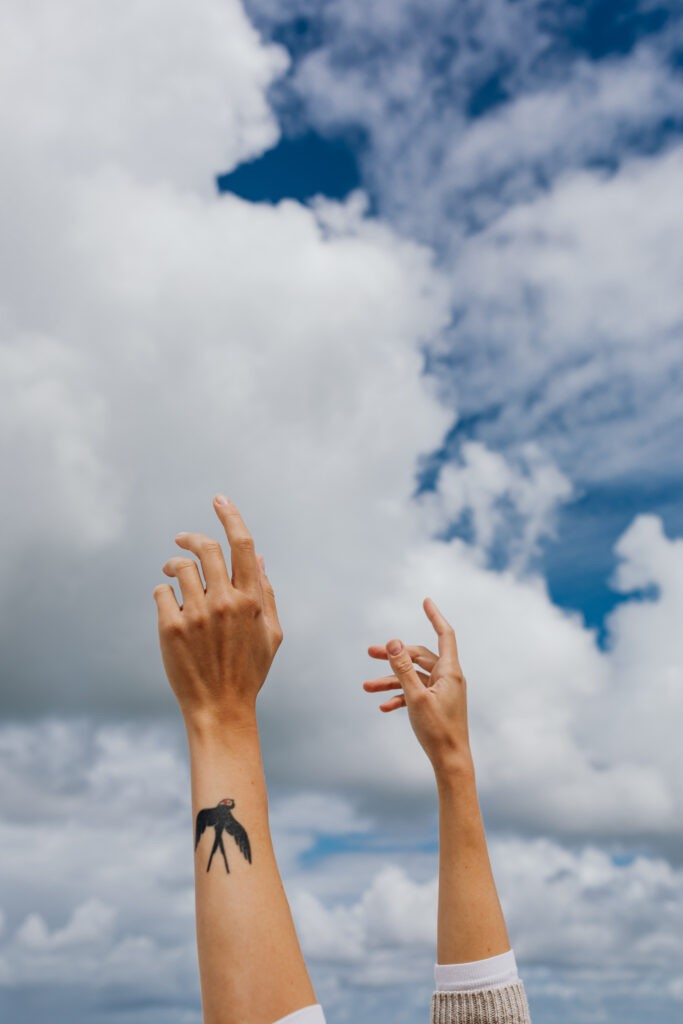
(489, 973)
(309, 1015)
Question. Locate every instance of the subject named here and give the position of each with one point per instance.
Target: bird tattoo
(221, 819)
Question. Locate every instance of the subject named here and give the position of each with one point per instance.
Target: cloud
(102, 898)
(275, 352)
(159, 343)
(554, 210)
(140, 85)
(469, 108)
(511, 504)
(569, 321)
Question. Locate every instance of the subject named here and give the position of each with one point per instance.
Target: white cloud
(166, 343)
(273, 352)
(90, 923)
(103, 897)
(512, 503)
(568, 309)
(174, 98)
(571, 320)
(407, 74)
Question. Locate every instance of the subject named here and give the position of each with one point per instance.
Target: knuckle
(172, 628)
(249, 605)
(244, 542)
(221, 605)
(197, 618)
(209, 546)
(178, 563)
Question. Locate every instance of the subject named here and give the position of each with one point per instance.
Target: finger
(444, 631)
(210, 554)
(400, 661)
(186, 572)
(422, 656)
(389, 683)
(396, 702)
(245, 570)
(167, 603)
(269, 606)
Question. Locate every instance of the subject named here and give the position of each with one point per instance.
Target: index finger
(445, 633)
(245, 570)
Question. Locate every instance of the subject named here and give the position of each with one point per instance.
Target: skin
(470, 923)
(217, 649)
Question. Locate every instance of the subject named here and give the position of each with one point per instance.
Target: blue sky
(404, 281)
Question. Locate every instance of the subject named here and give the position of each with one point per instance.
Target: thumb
(404, 670)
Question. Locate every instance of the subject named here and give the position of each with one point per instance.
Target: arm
(217, 649)
(471, 926)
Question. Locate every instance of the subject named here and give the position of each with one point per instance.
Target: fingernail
(183, 533)
(394, 647)
(220, 499)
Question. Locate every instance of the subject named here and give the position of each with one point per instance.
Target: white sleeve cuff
(489, 973)
(309, 1015)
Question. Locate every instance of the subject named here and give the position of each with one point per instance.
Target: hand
(436, 698)
(218, 646)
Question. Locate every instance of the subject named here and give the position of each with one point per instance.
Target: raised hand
(218, 646)
(436, 698)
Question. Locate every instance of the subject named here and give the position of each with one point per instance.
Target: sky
(403, 280)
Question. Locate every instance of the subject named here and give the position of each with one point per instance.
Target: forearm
(470, 925)
(243, 916)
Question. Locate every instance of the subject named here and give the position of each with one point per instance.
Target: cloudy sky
(403, 280)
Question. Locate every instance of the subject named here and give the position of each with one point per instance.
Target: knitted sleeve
(505, 1004)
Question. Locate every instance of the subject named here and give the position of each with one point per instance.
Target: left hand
(436, 699)
(218, 646)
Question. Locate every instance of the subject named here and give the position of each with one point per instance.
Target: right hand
(436, 698)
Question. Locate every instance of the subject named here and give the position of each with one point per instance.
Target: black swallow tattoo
(221, 819)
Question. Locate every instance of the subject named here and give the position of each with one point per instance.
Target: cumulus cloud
(274, 352)
(160, 343)
(138, 85)
(102, 899)
(559, 237)
(510, 504)
(572, 299)
(470, 107)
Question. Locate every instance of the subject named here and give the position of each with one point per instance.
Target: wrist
(455, 771)
(210, 726)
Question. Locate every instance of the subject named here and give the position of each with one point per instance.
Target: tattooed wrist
(221, 819)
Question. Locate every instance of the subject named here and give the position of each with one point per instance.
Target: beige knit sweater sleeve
(504, 1005)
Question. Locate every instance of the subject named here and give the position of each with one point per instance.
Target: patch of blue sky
(326, 846)
(297, 168)
(604, 28)
(578, 561)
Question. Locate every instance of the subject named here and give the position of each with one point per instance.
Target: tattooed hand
(218, 646)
